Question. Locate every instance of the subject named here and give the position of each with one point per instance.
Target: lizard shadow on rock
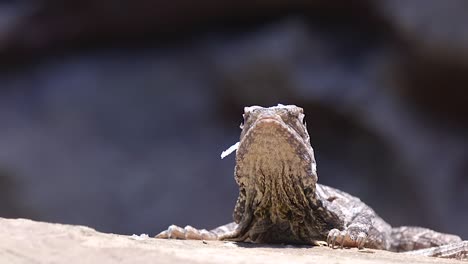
(273, 246)
(254, 245)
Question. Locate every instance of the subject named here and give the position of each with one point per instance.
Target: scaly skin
(280, 200)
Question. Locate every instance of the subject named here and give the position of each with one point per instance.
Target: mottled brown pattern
(275, 171)
(280, 200)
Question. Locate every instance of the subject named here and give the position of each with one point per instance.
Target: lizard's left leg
(426, 242)
(355, 232)
(189, 232)
(357, 226)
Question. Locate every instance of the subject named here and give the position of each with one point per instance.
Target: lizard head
(288, 116)
(278, 130)
(275, 171)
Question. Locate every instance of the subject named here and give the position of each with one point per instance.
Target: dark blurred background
(114, 113)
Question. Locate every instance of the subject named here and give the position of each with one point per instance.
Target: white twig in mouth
(230, 150)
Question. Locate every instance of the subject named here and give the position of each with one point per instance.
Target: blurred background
(114, 113)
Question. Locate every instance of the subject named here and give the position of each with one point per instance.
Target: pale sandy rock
(27, 241)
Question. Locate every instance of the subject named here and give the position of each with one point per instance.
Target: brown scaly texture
(281, 202)
(275, 171)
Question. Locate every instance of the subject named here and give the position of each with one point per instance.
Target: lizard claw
(163, 235)
(173, 231)
(320, 243)
(332, 237)
(361, 240)
(346, 238)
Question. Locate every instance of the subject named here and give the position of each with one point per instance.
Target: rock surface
(27, 241)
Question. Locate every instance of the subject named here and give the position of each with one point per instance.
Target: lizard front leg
(191, 233)
(354, 234)
(359, 225)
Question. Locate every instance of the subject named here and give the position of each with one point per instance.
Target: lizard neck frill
(275, 170)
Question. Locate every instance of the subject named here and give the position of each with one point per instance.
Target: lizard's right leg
(426, 242)
(189, 232)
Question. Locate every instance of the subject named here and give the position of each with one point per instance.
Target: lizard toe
(332, 237)
(192, 233)
(361, 240)
(176, 232)
(342, 237)
(163, 235)
(172, 232)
